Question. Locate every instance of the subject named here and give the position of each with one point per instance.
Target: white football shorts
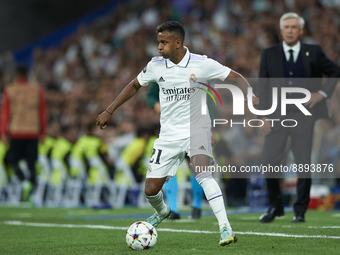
(168, 155)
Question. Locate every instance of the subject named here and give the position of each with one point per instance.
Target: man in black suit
(288, 61)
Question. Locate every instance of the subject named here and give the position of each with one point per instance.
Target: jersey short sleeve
(214, 70)
(146, 75)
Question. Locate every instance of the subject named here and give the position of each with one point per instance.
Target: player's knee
(153, 186)
(151, 190)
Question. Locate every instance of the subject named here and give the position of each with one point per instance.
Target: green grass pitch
(25, 230)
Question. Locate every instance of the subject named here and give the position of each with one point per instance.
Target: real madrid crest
(192, 78)
(149, 169)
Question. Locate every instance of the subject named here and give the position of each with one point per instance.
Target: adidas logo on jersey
(161, 79)
(201, 148)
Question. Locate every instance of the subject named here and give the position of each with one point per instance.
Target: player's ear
(178, 43)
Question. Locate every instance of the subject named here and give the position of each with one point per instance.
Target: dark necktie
(291, 58)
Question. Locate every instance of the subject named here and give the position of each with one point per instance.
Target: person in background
(23, 123)
(289, 60)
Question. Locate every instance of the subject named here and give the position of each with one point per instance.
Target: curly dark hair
(172, 27)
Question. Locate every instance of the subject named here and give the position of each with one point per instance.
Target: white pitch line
(286, 235)
(325, 227)
(32, 224)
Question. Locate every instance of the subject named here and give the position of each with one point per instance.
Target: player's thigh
(200, 163)
(200, 150)
(165, 159)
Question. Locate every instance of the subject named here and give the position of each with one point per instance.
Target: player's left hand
(103, 119)
(315, 98)
(255, 100)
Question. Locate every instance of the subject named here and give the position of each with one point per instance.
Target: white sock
(157, 202)
(214, 196)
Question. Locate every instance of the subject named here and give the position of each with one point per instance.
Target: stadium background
(84, 54)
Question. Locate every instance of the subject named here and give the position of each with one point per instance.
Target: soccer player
(183, 130)
(171, 187)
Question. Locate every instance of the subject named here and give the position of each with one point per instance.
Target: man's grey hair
(292, 15)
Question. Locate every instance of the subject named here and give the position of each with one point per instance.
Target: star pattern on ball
(135, 236)
(145, 247)
(138, 223)
(151, 232)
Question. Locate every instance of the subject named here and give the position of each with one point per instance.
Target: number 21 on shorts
(159, 153)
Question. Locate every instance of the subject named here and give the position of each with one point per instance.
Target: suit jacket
(315, 65)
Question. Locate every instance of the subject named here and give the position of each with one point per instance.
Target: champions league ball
(141, 235)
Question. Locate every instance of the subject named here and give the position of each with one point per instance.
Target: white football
(141, 235)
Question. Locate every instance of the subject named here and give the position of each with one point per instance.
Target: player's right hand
(103, 119)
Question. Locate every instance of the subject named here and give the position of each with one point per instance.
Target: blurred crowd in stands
(88, 70)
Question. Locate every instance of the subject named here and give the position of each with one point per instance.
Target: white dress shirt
(296, 50)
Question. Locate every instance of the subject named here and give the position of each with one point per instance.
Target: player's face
(291, 31)
(167, 44)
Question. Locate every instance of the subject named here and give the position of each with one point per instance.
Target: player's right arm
(142, 79)
(124, 96)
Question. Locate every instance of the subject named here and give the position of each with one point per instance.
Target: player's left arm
(243, 84)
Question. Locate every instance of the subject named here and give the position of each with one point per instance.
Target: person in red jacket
(23, 123)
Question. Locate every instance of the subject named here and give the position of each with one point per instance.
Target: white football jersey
(180, 94)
